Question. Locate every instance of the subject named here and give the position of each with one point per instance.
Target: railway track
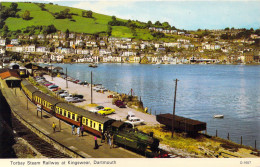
(40, 145)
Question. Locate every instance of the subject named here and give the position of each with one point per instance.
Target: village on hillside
(64, 47)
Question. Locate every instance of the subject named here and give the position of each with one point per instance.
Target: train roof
(25, 82)
(47, 98)
(83, 112)
(31, 88)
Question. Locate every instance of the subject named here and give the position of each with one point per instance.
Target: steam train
(96, 124)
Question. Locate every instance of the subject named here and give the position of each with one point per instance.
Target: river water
(203, 91)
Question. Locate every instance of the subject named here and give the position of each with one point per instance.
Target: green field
(97, 24)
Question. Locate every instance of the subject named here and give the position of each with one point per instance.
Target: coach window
(99, 127)
(72, 116)
(94, 125)
(91, 124)
(84, 121)
(87, 122)
(68, 114)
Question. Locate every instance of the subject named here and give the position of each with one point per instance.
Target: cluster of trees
(243, 34)
(116, 22)
(42, 29)
(87, 14)
(64, 14)
(158, 35)
(8, 12)
(42, 6)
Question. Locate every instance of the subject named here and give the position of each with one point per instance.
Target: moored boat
(219, 116)
(93, 65)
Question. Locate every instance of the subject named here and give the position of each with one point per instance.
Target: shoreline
(246, 64)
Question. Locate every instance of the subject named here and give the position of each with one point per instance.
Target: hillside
(46, 14)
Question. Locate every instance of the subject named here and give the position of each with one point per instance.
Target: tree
(149, 23)
(14, 6)
(6, 30)
(158, 23)
(166, 25)
(89, 14)
(227, 28)
(26, 15)
(67, 33)
(109, 30)
(113, 18)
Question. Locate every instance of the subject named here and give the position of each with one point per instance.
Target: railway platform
(84, 146)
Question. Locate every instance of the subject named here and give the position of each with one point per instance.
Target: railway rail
(39, 144)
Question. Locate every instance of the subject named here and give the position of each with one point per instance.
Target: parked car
(120, 104)
(52, 86)
(96, 109)
(79, 96)
(132, 119)
(106, 111)
(71, 100)
(79, 99)
(48, 84)
(64, 94)
(54, 89)
(135, 121)
(83, 83)
(130, 115)
(60, 91)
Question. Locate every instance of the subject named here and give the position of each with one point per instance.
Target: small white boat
(218, 116)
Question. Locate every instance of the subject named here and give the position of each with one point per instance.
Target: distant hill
(49, 14)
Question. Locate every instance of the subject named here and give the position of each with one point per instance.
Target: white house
(14, 42)
(2, 50)
(2, 42)
(42, 49)
(30, 48)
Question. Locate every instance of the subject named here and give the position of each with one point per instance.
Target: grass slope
(97, 24)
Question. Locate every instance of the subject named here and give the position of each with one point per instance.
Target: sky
(188, 15)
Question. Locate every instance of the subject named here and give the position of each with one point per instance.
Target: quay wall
(14, 107)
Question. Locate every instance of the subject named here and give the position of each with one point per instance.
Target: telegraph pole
(91, 89)
(173, 114)
(66, 78)
(51, 73)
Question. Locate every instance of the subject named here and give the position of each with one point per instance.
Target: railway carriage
(28, 89)
(47, 102)
(91, 122)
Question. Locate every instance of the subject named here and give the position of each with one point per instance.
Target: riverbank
(181, 144)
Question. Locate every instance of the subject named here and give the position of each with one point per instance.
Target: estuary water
(202, 92)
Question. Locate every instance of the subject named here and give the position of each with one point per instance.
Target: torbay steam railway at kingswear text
(94, 123)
